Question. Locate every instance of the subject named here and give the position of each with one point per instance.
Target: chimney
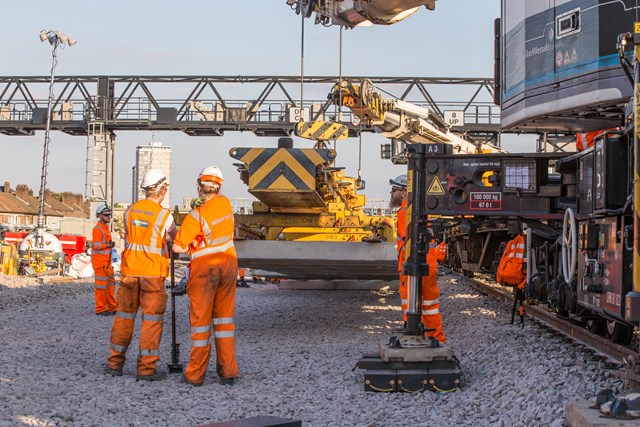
(22, 190)
(7, 187)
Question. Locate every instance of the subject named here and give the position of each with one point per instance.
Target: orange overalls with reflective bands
(105, 280)
(145, 264)
(510, 269)
(208, 230)
(431, 317)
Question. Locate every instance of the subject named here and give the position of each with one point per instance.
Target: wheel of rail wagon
(619, 333)
(569, 245)
(597, 325)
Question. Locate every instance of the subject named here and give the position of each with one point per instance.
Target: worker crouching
(145, 265)
(207, 234)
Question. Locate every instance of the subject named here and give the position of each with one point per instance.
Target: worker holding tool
(431, 318)
(105, 280)
(145, 265)
(207, 234)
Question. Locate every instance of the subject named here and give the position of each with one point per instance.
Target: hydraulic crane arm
(397, 119)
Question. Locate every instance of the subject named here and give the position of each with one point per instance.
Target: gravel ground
(296, 351)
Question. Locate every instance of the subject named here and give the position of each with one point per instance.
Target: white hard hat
(152, 178)
(211, 174)
(103, 209)
(399, 181)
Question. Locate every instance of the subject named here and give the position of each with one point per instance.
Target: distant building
(151, 156)
(63, 212)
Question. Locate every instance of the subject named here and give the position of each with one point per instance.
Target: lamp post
(55, 38)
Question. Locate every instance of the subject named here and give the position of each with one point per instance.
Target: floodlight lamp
(43, 35)
(63, 38)
(71, 41)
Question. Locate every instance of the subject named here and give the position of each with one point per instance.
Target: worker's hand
(111, 243)
(387, 222)
(198, 201)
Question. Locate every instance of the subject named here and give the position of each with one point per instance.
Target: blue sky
(197, 37)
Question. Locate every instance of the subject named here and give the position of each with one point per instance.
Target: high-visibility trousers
(212, 297)
(105, 288)
(431, 318)
(148, 294)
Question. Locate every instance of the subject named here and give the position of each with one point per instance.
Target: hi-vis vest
(510, 271)
(100, 252)
(209, 229)
(145, 248)
(441, 250)
(585, 140)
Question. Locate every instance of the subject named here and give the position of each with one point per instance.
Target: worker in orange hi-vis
(207, 234)
(105, 281)
(145, 265)
(431, 317)
(398, 199)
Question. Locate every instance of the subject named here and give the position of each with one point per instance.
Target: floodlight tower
(55, 39)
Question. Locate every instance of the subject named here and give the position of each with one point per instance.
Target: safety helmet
(211, 174)
(103, 209)
(399, 181)
(152, 178)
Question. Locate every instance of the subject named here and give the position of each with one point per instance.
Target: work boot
(156, 376)
(104, 313)
(113, 372)
(228, 381)
(186, 381)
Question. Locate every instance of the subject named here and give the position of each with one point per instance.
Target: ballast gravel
(296, 350)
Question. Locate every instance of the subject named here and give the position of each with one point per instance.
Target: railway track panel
(623, 357)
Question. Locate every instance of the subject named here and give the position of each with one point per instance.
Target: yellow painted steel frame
(327, 209)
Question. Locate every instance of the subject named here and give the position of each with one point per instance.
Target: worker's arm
(187, 234)
(99, 242)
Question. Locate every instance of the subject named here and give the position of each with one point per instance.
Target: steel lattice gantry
(211, 105)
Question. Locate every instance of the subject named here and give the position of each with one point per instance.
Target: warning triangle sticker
(435, 189)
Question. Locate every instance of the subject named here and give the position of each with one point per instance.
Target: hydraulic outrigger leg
(412, 362)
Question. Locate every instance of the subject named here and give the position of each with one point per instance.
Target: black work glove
(111, 243)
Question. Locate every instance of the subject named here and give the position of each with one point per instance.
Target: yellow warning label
(636, 27)
(435, 189)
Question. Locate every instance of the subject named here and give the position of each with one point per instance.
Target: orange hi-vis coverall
(208, 231)
(105, 280)
(431, 317)
(145, 264)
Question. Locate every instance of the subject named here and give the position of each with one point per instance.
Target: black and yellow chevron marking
(321, 130)
(278, 169)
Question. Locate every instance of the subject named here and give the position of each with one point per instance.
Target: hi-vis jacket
(145, 233)
(510, 269)
(100, 252)
(208, 229)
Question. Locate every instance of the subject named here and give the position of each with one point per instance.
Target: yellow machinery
(303, 197)
(8, 259)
